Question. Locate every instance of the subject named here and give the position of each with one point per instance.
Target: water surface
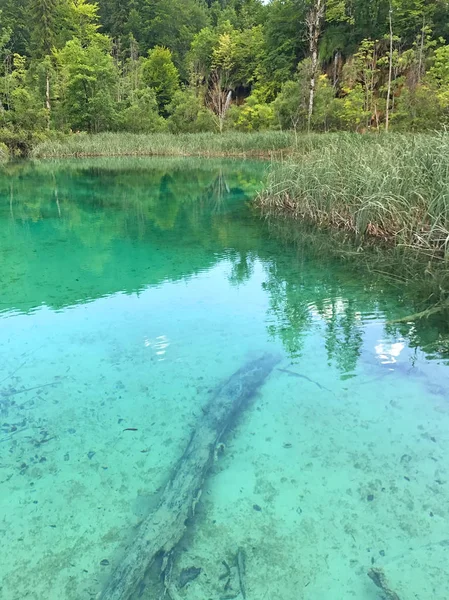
(131, 288)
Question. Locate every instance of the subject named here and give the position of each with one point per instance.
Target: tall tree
(315, 18)
(286, 40)
(43, 15)
(160, 74)
(15, 17)
(390, 70)
(173, 24)
(87, 83)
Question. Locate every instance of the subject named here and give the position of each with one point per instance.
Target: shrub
(252, 116)
(188, 115)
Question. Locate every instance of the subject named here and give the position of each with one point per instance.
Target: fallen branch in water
(36, 387)
(163, 529)
(294, 374)
(10, 435)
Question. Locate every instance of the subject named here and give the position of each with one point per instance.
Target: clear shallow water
(131, 289)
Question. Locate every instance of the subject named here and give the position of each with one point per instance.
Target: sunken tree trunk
(161, 531)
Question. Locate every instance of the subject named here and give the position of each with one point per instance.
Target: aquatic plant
(394, 189)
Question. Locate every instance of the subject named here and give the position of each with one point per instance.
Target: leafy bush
(142, 115)
(160, 74)
(253, 115)
(188, 115)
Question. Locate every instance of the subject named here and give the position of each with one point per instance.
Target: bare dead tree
(219, 98)
(314, 22)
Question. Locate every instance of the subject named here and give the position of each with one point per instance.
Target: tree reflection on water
(73, 231)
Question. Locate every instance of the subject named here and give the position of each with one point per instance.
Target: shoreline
(386, 192)
(264, 144)
(264, 155)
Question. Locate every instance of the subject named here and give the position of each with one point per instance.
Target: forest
(187, 66)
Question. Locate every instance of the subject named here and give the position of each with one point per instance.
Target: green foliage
(173, 24)
(14, 18)
(188, 115)
(24, 116)
(86, 85)
(254, 115)
(142, 115)
(418, 109)
(44, 15)
(291, 105)
(350, 108)
(248, 55)
(83, 18)
(236, 56)
(200, 56)
(161, 75)
(324, 117)
(439, 75)
(57, 72)
(286, 43)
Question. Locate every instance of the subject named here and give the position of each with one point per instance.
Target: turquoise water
(133, 288)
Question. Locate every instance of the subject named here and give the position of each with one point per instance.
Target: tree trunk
(219, 98)
(47, 99)
(134, 57)
(314, 21)
(335, 78)
(390, 73)
(162, 530)
(421, 50)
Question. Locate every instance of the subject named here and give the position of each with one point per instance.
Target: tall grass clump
(389, 188)
(255, 144)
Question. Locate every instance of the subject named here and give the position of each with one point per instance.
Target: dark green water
(131, 288)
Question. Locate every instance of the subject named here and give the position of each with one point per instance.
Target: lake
(132, 289)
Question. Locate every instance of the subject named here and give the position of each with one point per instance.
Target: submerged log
(379, 579)
(162, 530)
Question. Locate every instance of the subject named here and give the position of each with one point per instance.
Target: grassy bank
(260, 144)
(392, 189)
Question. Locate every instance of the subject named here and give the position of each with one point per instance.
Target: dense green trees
(160, 74)
(193, 65)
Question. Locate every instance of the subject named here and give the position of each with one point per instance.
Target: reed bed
(259, 144)
(389, 188)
